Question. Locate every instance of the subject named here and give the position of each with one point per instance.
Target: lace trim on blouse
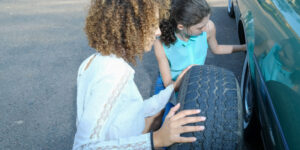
(132, 142)
(143, 145)
(104, 114)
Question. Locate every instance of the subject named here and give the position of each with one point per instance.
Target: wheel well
(241, 33)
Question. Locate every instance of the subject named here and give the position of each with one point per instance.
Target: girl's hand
(173, 126)
(179, 78)
(244, 47)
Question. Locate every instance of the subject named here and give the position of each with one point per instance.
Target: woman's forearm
(157, 142)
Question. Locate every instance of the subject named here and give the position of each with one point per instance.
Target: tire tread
(215, 91)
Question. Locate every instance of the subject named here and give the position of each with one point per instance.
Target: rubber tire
(216, 92)
(230, 10)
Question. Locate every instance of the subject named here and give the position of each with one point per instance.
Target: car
(270, 86)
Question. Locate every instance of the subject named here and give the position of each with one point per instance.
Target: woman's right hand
(173, 126)
(179, 78)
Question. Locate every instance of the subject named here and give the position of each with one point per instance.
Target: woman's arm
(220, 49)
(129, 143)
(95, 110)
(157, 102)
(175, 124)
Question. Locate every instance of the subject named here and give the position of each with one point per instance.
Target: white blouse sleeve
(157, 102)
(103, 97)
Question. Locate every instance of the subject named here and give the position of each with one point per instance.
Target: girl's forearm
(238, 48)
(168, 82)
(228, 49)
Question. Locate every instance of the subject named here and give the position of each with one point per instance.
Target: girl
(111, 113)
(185, 38)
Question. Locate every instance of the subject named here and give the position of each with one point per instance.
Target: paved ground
(42, 44)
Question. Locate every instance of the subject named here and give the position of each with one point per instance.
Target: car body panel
(272, 133)
(272, 32)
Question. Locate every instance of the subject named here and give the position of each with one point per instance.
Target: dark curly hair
(185, 12)
(123, 27)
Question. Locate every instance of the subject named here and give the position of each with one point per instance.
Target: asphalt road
(42, 45)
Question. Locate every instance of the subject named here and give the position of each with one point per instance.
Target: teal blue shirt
(181, 54)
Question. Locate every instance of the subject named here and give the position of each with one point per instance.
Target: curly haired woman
(111, 113)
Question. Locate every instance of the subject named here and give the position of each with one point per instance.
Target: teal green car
(270, 84)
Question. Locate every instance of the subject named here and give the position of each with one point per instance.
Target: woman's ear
(180, 27)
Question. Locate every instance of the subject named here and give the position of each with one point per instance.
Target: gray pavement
(42, 45)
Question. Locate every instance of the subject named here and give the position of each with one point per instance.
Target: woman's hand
(179, 78)
(173, 126)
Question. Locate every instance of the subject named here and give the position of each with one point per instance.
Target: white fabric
(110, 110)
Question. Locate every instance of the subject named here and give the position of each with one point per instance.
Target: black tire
(216, 92)
(230, 9)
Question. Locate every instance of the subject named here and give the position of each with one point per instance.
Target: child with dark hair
(185, 38)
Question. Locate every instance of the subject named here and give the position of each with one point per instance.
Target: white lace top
(110, 110)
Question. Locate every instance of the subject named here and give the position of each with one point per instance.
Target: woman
(111, 113)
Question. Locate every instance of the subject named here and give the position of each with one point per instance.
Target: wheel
(250, 122)
(246, 92)
(216, 92)
(230, 10)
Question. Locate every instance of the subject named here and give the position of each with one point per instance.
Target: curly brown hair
(123, 27)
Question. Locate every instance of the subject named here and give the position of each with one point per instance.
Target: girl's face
(196, 29)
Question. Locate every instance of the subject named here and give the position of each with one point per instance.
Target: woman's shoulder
(112, 63)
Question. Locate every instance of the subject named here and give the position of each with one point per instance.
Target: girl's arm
(220, 49)
(164, 67)
(163, 63)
